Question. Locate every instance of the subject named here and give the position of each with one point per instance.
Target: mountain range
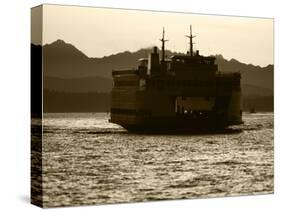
(69, 70)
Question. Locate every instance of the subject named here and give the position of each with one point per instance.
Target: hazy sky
(98, 32)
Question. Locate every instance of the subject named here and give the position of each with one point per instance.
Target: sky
(99, 32)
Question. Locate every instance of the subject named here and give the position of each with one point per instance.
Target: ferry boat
(183, 92)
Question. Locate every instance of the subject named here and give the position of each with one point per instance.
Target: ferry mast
(190, 36)
(163, 45)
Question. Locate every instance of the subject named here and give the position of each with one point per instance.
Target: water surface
(87, 160)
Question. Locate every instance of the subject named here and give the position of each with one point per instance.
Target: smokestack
(153, 61)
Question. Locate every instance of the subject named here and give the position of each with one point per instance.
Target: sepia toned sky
(100, 32)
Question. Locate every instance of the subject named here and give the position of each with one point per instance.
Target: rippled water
(87, 160)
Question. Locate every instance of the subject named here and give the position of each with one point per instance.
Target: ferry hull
(172, 124)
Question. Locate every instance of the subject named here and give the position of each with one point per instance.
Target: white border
(15, 102)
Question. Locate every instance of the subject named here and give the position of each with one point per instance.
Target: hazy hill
(78, 85)
(75, 102)
(252, 90)
(67, 70)
(251, 75)
(63, 60)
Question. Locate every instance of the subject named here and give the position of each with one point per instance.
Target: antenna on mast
(163, 45)
(190, 36)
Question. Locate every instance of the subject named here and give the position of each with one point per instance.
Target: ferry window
(208, 62)
(142, 82)
(126, 83)
(169, 67)
(143, 62)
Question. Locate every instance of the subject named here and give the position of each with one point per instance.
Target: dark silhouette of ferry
(184, 92)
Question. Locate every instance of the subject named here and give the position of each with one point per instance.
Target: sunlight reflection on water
(87, 160)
